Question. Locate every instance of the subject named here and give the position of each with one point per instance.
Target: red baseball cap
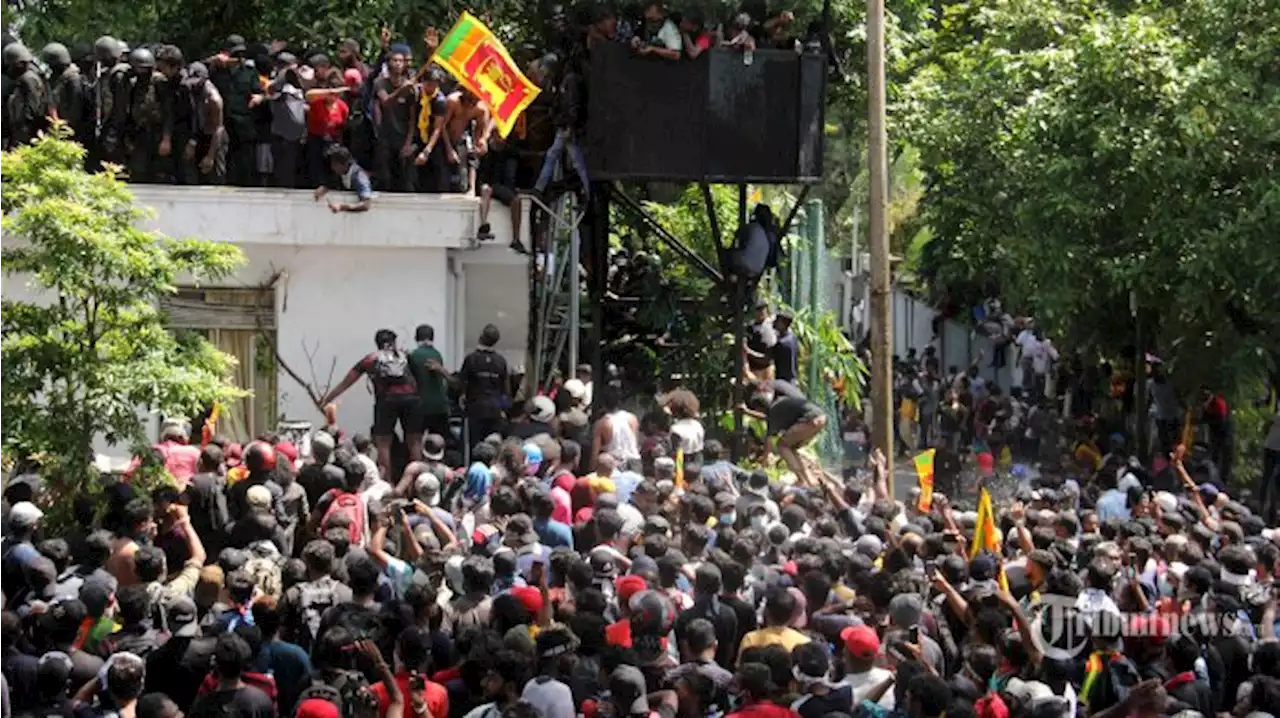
(316, 708)
(287, 450)
(861, 641)
(628, 586)
(530, 596)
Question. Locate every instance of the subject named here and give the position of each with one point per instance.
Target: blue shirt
(719, 475)
(624, 484)
(357, 180)
(1113, 504)
(478, 480)
(553, 534)
(290, 666)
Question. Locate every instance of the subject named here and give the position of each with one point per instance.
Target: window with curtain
(242, 323)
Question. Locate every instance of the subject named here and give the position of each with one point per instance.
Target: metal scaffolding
(559, 291)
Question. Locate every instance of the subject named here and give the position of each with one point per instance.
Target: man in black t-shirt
(232, 698)
(793, 421)
(485, 387)
(397, 95)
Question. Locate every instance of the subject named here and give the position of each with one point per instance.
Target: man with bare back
(466, 123)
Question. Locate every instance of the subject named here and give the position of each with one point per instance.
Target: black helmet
(106, 49)
(15, 53)
(55, 54)
(142, 59)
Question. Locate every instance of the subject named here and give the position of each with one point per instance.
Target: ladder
(558, 291)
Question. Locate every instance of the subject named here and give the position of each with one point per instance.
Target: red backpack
(351, 506)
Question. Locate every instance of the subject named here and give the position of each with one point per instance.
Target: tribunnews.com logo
(1062, 628)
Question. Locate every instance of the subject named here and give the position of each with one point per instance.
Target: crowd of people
(275, 114)
(622, 566)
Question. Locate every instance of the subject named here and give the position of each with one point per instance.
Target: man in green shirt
(433, 382)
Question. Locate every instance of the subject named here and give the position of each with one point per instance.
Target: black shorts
(388, 410)
(432, 423)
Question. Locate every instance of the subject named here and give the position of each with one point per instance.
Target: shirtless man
(466, 122)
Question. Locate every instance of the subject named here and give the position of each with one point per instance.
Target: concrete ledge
(249, 216)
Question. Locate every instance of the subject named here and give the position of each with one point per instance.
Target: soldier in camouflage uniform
(68, 92)
(108, 83)
(24, 102)
(142, 116)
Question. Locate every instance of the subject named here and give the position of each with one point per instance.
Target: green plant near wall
(841, 368)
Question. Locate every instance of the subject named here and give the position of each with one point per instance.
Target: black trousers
(288, 156)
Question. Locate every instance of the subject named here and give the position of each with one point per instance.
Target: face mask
(728, 519)
(758, 522)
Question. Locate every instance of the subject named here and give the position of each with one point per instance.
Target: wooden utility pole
(878, 242)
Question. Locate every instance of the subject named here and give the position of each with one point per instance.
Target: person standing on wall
(395, 397)
(485, 387)
(433, 382)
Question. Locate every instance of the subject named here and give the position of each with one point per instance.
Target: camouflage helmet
(55, 54)
(142, 59)
(15, 53)
(106, 49)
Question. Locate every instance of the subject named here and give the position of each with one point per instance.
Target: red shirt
(619, 633)
(262, 681)
(764, 709)
(436, 695)
(326, 117)
(179, 460)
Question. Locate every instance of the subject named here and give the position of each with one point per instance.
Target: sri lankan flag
(984, 534)
(472, 54)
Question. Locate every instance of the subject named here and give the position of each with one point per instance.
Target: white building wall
(340, 277)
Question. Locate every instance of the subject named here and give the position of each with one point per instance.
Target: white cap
(575, 388)
(544, 409)
(1028, 691)
(258, 496)
(24, 514)
(427, 486)
(1167, 502)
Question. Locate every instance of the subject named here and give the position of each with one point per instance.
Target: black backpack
(391, 366)
(349, 691)
(314, 598)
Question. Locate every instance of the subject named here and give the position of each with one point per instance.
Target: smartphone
(913, 634)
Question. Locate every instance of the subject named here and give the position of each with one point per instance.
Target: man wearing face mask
(142, 117)
(24, 101)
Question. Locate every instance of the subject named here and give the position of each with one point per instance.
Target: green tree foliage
(89, 348)
(1080, 152)
(684, 323)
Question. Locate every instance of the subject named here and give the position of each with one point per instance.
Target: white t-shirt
(690, 433)
(632, 519)
(1044, 357)
(862, 683)
(1028, 343)
(669, 36)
